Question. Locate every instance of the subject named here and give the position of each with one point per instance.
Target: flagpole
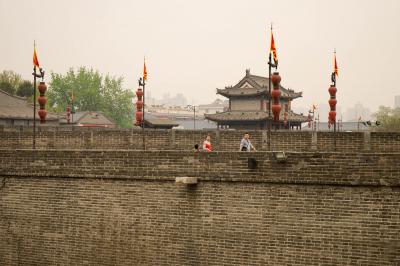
(269, 100)
(334, 124)
(269, 94)
(143, 123)
(34, 106)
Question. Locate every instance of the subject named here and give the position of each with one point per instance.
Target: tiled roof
(161, 122)
(251, 116)
(89, 117)
(260, 86)
(157, 121)
(14, 107)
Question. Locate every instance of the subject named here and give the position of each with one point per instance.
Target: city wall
(123, 207)
(223, 140)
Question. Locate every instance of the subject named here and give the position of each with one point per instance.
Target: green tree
(12, 78)
(25, 89)
(389, 118)
(92, 92)
(7, 87)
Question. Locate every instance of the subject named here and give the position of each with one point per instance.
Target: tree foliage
(9, 81)
(25, 89)
(7, 87)
(92, 92)
(389, 118)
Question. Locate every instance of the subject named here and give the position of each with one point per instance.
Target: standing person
(207, 144)
(245, 144)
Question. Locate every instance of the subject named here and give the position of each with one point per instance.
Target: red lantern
(42, 102)
(139, 93)
(276, 109)
(275, 94)
(42, 114)
(276, 79)
(139, 105)
(332, 116)
(332, 90)
(42, 88)
(332, 103)
(139, 117)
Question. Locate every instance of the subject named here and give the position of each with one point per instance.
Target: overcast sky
(194, 47)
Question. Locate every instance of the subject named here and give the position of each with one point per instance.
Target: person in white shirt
(245, 143)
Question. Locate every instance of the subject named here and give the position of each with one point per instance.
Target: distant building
(179, 115)
(16, 111)
(397, 101)
(88, 119)
(249, 104)
(358, 112)
(218, 106)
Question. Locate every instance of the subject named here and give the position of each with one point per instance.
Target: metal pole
(143, 124)
(34, 107)
(269, 102)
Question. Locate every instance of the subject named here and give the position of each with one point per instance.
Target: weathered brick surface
(224, 140)
(385, 141)
(93, 207)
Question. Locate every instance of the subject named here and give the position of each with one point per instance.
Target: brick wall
(103, 207)
(224, 140)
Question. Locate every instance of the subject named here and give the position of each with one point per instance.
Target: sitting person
(207, 144)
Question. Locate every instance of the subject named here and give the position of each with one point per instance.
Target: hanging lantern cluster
(42, 102)
(332, 103)
(139, 107)
(276, 94)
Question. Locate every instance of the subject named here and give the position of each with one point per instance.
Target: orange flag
(273, 49)
(35, 59)
(144, 71)
(335, 67)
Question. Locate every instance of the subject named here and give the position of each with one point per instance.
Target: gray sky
(193, 47)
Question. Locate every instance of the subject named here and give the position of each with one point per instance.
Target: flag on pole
(35, 59)
(335, 66)
(273, 49)
(144, 71)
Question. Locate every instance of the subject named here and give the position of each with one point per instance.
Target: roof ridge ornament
(247, 72)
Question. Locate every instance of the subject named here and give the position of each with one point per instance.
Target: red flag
(273, 49)
(35, 59)
(335, 66)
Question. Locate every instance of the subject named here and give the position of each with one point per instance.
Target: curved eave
(228, 93)
(237, 116)
(251, 116)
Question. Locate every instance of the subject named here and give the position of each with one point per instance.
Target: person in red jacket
(207, 144)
